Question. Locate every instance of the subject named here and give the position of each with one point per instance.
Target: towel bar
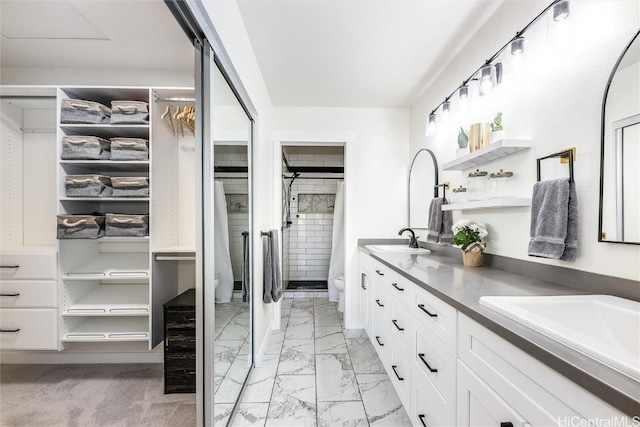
(264, 234)
(562, 154)
(445, 187)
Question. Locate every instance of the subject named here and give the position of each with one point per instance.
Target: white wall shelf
(494, 151)
(107, 130)
(104, 199)
(120, 265)
(506, 202)
(112, 300)
(175, 250)
(97, 329)
(109, 165)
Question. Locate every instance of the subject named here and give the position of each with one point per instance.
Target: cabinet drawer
(401, 326)
(399, 369)
(28, 293)
(180, 339)
(428, 407)
(436, 315)
(28, 329)
(381, 302)
(28, 265)
(180, 360)
(400, 288)
(180, 372)
(433, 360)
(381, 337)
(180, 319)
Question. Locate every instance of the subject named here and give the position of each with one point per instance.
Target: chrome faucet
(413, 243)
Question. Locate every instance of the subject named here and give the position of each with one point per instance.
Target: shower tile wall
(237, 204)
(310, 233)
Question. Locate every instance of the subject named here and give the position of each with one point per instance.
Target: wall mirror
(423, 176)
(620, 164)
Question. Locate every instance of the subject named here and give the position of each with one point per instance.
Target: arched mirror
(620, 164)
(423, 176)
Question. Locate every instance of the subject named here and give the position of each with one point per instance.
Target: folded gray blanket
(554, 220)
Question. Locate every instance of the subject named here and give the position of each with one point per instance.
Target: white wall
(555, 101)
(379, 168)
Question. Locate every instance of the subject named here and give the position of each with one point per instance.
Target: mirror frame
(602, 141)
(435, 189)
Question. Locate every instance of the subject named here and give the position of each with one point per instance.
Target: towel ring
(562, 154)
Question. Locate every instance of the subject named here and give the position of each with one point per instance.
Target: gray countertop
(461, 287)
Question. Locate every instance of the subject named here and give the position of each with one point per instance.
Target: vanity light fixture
(431, 124)
(561, 10)
(463, 91)
(517, 45)
(489, 75)
(488, 78)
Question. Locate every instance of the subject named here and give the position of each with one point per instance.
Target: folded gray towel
(440, 222)
(554, 220)
(272, 277)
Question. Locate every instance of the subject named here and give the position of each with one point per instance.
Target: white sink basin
(604, 327)
(397, 248)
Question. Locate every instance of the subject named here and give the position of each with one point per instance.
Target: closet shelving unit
(105, 284)
(494, 151)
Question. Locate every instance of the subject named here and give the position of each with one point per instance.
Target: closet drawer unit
(401, 326)
(381, 302)
(433, 360)
(28, 265)
(180, 339)
(428, 407)
(29, 329)
(381, 338)
(399, 369)
(28, 293)
(180, 372)
(400, 288)
(435, 314)
(180, 318)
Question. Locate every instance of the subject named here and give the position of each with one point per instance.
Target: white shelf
(97, 329)
(104, 199)
(176, 250)
(112, 300)
(117, 239)
(495, 151)
(109, 165)
(113, 266)
(107, 130)
(505, 202)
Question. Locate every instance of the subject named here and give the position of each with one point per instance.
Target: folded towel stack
(440, 222)
(554, 220)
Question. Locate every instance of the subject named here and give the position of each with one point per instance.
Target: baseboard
(61, 357)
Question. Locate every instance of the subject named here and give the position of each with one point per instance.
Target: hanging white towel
(336, 263)
(221, 252)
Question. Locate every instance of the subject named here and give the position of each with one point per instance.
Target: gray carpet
(91, 395)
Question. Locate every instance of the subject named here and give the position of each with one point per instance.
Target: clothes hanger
(167, 113)
(176, 116)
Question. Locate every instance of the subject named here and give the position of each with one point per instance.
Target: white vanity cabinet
(450, 370)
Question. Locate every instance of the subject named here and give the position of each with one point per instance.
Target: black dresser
(180, 344)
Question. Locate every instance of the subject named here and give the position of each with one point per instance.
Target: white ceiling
(357, 53)
(114, 34)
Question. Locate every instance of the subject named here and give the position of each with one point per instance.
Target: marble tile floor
(315, 373)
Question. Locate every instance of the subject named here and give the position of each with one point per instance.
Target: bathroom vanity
(454, 361)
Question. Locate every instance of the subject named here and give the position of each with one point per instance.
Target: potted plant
(469, 236)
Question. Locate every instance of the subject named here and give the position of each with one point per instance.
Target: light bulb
(487, 78)
(431, 124)
(561, 10)
(463, 91)
(517, 46)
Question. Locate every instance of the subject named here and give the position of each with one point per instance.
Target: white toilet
(338, 282)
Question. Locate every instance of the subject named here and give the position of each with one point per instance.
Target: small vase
(472, 258)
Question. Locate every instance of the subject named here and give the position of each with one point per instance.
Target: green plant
(468, 233)
(497, 123)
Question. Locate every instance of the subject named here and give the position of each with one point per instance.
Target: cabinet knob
(9, 295)
(507, 424)
(395, 285)
(395, 323)
(10, 330)
(379, 343)
(378, 302)
(421, 356)
(398, 376)
(421, 307)
(378, 271)
(421, 417)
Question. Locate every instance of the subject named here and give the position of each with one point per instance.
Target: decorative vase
(472, 256)
(479, 136)
(463, 139)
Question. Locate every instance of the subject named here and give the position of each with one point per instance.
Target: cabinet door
(479, 406)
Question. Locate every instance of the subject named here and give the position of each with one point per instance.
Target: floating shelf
(495, 151)
(109, 165)
(96, 329)
(112, 300)
(113, 266)
(116, 239)
(505, 202)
